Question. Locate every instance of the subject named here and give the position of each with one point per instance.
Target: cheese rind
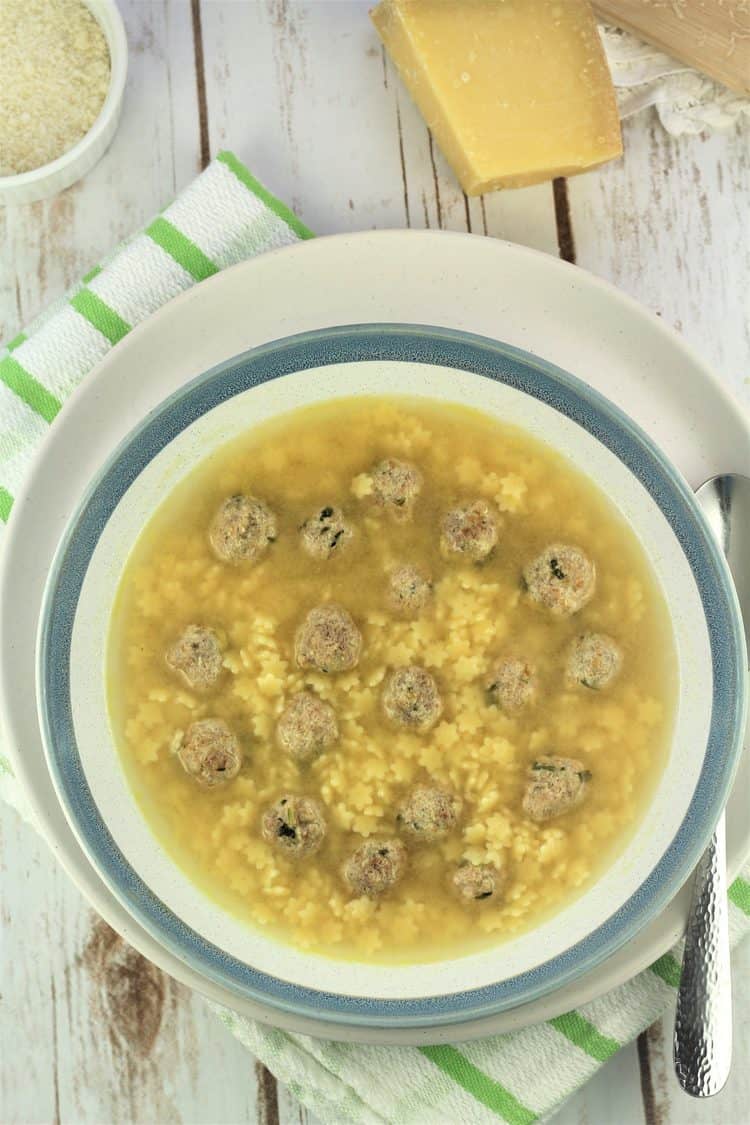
(514, 91)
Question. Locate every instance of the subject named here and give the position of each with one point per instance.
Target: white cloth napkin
(686, 101)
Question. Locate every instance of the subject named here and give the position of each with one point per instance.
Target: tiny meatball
(562, 579)
(429, 813)
(375, 867)
(242, 529)
(307, 727)
(594, 660)
(556, 785)
(210, 752)
(197, 656)
(409, 590)
(325, 533)
(411, 698)
(395, 486)
(475, 881)
(328, 639)
(470, 531)
(512, 685)
(296, 825)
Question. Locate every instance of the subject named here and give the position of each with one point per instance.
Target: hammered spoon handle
(703, 1022)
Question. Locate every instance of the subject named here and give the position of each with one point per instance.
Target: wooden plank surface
(671, 226)
(89, 1032)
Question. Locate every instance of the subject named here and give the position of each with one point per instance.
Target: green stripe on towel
(181, 248)
(100, 315)
(271, 202)
(485, 1089)
(579, 1031)
(739, 894)
(668, 968)
(17, 341)
(6, 503)
(28, 389)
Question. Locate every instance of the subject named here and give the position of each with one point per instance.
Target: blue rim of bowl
(489, 359)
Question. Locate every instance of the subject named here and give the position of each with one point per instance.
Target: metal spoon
(703, 1021)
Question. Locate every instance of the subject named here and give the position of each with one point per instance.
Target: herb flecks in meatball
(555, 786)
(411, 698)
(242, 529)
(328, 639)
(512, 685)
(307, 727)
(295, 825)
(196, 655)
(562, 579)
(429, 813)
(594, 661)
(396, 486)
(409, 590)
(375, 867)
(210, 752)
(475, 882)
(470, 531)
(325, 533)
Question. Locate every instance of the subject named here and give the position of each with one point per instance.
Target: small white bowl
(49, 179)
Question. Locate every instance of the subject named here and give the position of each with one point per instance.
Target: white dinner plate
(491, 288)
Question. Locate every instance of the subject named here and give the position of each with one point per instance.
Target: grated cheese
(55, 69)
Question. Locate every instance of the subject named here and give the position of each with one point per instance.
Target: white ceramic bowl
(450, 366)
(49, 179)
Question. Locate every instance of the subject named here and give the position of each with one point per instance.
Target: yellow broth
(321, 456)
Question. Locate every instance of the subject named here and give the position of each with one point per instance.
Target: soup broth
(513, 682)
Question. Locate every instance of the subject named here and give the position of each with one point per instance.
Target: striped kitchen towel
(222, 218)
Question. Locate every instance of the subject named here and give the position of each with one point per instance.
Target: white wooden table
(89, 1031)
